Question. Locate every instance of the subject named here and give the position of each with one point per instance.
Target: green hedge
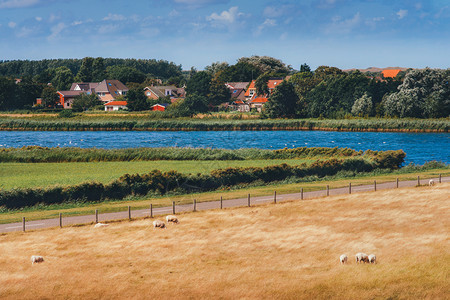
(172, 181)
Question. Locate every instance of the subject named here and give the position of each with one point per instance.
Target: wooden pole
(248, 200)
(151, 210)
(60, 220)
(275, 197)
(350, 188)
(418, 180)
(221, 202)
(129, 212)
(195, 205)
(96, 216)
(375, 185)
(328, 190)
(23, 224)
(301, 194)
(397, 182)
(173, 207)
(440, 178)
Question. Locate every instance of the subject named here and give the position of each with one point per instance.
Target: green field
(14, 175)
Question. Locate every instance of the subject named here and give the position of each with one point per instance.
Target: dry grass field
(283, 251)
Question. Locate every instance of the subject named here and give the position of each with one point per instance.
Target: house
(159, 107)
(390, 73)
(257, 101)
(239, 105)
(106, 90)
(116, 105)
(237, 90)
(171, 91)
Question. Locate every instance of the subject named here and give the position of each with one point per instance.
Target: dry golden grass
(289, 250)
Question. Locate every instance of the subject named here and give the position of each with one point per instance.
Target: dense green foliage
(283, 101)
(84, 102)
(172, 181)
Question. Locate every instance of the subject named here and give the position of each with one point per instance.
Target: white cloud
(56, 30)
(38, 19)
(227, 17)
(284, 36)
(343, 26)
(53, 18)
(25, 32)
(12, 24)
(114, 17)
(267, 23)
(106, 29)
(17, 3)
(402, 13)
(174, 13)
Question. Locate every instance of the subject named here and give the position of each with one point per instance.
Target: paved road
(86, 219)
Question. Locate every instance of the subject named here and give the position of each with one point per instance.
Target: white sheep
(372, 259)
(98, 225)
(431, 182)
(361, 257)
(343, 259)
(36, 259)
(159, 224)
(171, 218)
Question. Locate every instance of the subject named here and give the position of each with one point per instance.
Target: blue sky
(341, 33)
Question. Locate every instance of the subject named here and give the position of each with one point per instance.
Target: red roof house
(115, 105)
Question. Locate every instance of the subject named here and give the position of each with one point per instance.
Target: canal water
(419, 147)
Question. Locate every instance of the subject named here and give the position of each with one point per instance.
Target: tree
(323, 72)
(84, 102)
(85, 72)
(136, 100)
(192, 104)
(283, 101)
(261, 84)
(266, 64)
(240, 72)
(362, 106)
(305, 68)
(63, 78)
(7, 93)
(98, 70)
(216, 67)
(199, 84)
(125, 74)
(423, 94)
(218, 93)
(49, 96)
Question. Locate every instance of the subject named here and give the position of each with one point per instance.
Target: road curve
(86, 219)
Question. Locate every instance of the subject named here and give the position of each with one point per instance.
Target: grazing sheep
(431, 182)
(372, 259)
(36, 259)
(171, 218)
(343, 259)
(361, 257)
(158, 224)
(100, 225)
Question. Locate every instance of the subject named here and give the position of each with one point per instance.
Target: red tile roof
(250, 87)
(123, 103)
(271, 84)
(390, 73)
(259, 99)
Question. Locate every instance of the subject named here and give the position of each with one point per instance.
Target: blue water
(419, 147)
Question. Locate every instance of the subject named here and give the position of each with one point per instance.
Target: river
(419, 147)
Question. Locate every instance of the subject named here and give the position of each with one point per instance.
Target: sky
(195, 33)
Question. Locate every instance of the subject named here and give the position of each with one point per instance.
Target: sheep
(171, 218)
(361, 257)
(343, 259)
(431, 182)
(158, 224)
(372, 259)
(36, 259)
(98, 225)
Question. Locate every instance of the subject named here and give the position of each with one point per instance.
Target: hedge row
(172, 181)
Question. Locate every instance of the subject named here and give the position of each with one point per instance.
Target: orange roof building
(390, 73)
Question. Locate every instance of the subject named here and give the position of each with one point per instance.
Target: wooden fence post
(173, 207)
(301, 194)
(23, 224)
(151, 210)
(350, 188)
(195, 205)
(96, 216)
(275, 197)
(397, 182)
(328, 190)
(248, 200)
(60, 220)
(440, 178)
(129, 213)
(418, 180)
(221, 202)
(375, 185)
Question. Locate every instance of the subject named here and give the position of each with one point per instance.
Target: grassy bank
(140, 122)
(284, 251)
